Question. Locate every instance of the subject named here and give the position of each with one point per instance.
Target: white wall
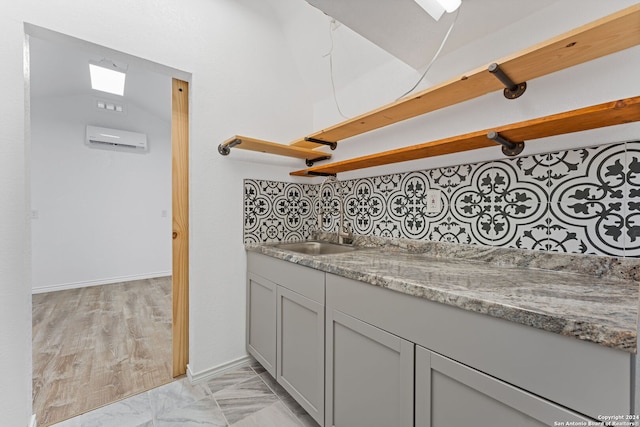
(97, 212)
(242, 82)
(15, 293)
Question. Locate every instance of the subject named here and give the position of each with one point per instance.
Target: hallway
(96, 345)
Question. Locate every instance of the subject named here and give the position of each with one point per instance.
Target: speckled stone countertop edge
(618, 338)
(605, 267)
(592, 331)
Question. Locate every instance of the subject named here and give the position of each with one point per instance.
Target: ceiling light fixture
(436, 8)
(106, 76)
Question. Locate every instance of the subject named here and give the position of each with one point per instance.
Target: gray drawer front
(303, 280)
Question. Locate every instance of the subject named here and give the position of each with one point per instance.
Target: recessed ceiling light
(107, 77)
(436, 8)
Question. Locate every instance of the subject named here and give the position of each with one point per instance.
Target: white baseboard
(97, 282)
(216, 371)
(33, 422)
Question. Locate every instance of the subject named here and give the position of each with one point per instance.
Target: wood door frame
(180, 220)
(179, 189)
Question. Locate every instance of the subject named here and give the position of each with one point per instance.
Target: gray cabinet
(369, 375)
(285, 327)
(261, 321)
(300, 350)
(588, 378)
(345, 351)
(451, 394)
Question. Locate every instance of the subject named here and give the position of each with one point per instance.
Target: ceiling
(368, 34)
(62, 69)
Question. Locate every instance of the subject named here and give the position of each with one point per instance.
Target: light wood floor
(93, 346)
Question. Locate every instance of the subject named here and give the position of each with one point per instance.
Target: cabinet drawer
(303, 280)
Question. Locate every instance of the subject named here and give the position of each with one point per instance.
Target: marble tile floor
(244, 397)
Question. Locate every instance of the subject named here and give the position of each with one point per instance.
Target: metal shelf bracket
(512, 90)
(313, 173)
(509, 148)
(310, 162)
(332, 145)
(225, 149)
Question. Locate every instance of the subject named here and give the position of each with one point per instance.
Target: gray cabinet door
(300, 350)
(369, 375)
(451, 394)
(261, 321)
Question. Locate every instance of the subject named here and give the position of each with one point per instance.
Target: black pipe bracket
(332, 145)
(509, 148)
(313, 173)
(310, 162)
(511, 90)
(226, 149)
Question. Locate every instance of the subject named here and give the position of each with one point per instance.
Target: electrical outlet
(434, 204)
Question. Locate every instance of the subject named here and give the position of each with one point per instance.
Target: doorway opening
(109, 227)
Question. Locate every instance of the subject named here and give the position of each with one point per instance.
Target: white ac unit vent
(115, 137)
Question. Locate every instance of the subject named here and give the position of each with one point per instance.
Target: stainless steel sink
(315, 248)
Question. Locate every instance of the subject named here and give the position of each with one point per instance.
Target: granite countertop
(601, 306)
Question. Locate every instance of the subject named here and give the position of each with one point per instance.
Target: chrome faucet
(342, 231)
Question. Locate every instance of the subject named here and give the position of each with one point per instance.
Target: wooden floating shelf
(253, 144)
(597, 116)
(610, 34)
(602, 37)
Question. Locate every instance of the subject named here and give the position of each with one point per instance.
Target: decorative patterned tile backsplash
(576, 201)
(278, 211)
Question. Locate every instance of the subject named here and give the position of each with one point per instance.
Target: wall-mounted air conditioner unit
(114, 137)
